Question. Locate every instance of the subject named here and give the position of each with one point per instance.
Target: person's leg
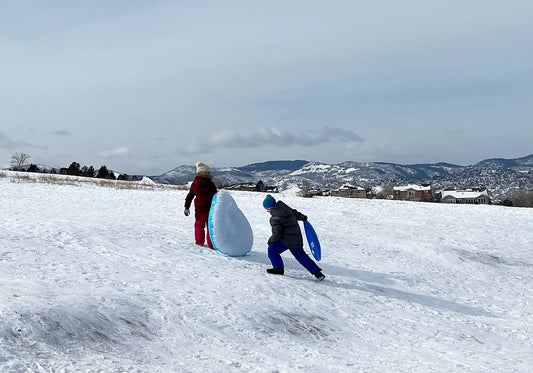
(199, 232)
(305, 260)
(274, 254)
(209, 243)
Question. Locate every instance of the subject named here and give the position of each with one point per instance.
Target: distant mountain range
(498, 175)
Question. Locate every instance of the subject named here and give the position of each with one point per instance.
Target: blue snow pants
(274, 254)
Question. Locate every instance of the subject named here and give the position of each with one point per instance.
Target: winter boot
(319, 275)
(275, 271)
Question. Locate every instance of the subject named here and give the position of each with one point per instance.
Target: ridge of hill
(499, 175)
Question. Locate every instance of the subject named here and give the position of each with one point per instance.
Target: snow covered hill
(500, 176)
(99, 279)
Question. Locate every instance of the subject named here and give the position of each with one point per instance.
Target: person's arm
(188, 199)
(299, 215)
(276, 230)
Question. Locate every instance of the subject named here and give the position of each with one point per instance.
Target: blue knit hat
(269, 202)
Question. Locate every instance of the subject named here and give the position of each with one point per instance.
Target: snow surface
(98, 279)
(315, 167)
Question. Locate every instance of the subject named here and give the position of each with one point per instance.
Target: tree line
(19, 162)
(518, 198)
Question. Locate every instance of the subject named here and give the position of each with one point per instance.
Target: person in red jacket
(202, 191)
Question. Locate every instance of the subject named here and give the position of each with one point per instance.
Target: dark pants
(276, 248)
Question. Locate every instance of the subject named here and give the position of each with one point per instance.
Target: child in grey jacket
(286, 235)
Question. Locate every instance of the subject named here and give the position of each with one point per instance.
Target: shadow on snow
(374, 283)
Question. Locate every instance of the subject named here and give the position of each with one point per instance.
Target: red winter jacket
(203, 189)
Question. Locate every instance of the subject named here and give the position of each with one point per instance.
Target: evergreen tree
(87, 171)
(103, 173)
(260, 186)
(74, 169)
(33, 168)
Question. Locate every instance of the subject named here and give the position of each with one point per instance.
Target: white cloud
(115, 152)
(228, 138)
(18, 145)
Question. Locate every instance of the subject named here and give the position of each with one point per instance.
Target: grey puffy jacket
(285, 228)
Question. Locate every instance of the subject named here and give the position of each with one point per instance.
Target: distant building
(251, 187)
(349, 191)
(417, 193)
(468, 196)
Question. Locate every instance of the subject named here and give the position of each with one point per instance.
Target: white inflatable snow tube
(230, 231)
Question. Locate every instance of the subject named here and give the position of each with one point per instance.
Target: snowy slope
(100, 279)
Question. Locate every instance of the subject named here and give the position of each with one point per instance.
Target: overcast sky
(143, 86)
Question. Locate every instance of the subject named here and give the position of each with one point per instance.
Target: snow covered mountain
(518, 164)
(499, 175)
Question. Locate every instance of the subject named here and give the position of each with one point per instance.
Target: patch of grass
(50, 179)
(23, 177)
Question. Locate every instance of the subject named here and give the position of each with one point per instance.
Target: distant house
(468, 196)
(417, 193)
(349, 191)
(251, 187)
(309, 192)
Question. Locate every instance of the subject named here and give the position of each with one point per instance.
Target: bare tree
(386, 192)
(18, 160)
(522, 198)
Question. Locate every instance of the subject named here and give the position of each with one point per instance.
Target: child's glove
(186, 212)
